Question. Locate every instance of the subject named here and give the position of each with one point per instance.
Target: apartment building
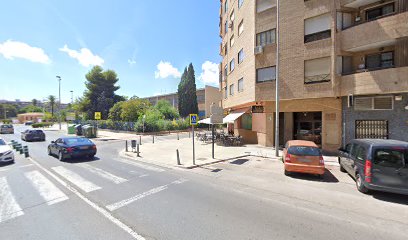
(343, 69)
(205, 97)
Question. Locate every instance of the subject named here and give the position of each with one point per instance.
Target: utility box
(89, 131)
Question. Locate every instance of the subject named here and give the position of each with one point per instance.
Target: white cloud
(85, 57)
(209, 74)
(131, 62)
(165, 70)
(12, 49)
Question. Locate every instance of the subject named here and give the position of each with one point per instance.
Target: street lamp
(277, 83)
(59, 101)
(72, 96)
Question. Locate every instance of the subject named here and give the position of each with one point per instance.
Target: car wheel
(49, 152)
(359, 183)
(60, 156)
(287, 173)
(342, 169)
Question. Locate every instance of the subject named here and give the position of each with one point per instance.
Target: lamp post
(277, 83)
(72, 97)
(59, 101)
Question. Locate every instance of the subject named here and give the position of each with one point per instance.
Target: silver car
(6, 153)
(6, 129)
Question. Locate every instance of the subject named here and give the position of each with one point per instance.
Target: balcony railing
(372, 69)
(318, 78)
(367, 21)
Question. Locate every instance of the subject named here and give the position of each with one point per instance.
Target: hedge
(41, 125)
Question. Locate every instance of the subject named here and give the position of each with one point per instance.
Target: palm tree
(51, 101)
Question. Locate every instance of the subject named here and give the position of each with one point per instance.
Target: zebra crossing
(49, 192)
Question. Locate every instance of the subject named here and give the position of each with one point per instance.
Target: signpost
(98, 116)
(217, 115)
(193, 122)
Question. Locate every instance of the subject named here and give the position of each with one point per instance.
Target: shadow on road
(327, 177)
(81, 160)
(5, 164)
(390, 197)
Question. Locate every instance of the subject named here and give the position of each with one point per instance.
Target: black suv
(376, 164)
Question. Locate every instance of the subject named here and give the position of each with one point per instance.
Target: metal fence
(372, 129)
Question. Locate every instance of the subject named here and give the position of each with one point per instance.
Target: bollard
(126, 147)
(178, 157)
(26, 154)
(138, 153)
(178, 138)
(21, 150)
(140, 140)
(153, 138)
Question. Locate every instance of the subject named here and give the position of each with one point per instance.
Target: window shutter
(317, 24)
(383, 103)
(363, 103)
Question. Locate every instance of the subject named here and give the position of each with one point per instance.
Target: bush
(42, 125)
(6, 121)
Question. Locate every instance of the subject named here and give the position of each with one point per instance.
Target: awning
(230, 118)
(205, 121)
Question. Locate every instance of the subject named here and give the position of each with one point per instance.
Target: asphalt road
(117, 198)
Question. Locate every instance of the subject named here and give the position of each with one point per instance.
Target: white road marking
(46, 188)
(103, 173)
(27, 165)
(144, 175)
(9, 207)
(4, 169)
(101, 210)
(134, 163)
(120, 204)
(77, 180)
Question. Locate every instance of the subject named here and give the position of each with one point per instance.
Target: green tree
(187, 92)
(8, 111)
(34, 102)
(30, 109)
(100, 94)
(51, 99)
(133, 109)
(168, 111)
(116, 111)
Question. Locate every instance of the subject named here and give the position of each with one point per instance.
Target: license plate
(304, 160)
(83, 148)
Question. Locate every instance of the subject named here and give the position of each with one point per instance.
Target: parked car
(72, 147)
(6, 128)
(6, 153)
(376, 164)
(28, 123)
(32, 135)
(303, 157)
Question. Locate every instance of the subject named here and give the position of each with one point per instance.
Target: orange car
(304, 157)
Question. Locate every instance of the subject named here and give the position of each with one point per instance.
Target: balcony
(389, 80)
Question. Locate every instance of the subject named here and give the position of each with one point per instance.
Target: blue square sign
(193, 119)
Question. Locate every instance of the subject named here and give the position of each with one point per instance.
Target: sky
(147, 43)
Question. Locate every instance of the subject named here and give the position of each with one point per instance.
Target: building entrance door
(308, 126)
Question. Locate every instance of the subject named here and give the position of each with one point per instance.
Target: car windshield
(2, 142)
(71, 141)
(6, 126)
(390, 157)
(36, 131)
(304, 151)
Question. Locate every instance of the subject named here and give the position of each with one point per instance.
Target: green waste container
(89, 131)
(71, 129)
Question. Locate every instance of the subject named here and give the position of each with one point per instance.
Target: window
(263, 5)
(318, 70)
(231, 89)
(379, 12)
(226, 71)
(392, 158)
(232, 65)
(317, 28)
(226, 48)
(304, 151)
(232, 41)
(266, 74)
(241, 85)
(225, 93)
(374, 103)
(380, 60)
(232, 19)
(226, 27)
(246, 121)
(241, 56)
(240, 28)
(200, 99)
(226, 6)
(360, 153)
(240, 2)
(265, 38)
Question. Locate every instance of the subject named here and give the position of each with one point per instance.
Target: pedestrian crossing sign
(193, 119)
(98, 115)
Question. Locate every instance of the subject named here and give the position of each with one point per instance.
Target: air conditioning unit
(258, 49)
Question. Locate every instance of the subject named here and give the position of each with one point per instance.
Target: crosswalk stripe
(9, 207)
(77, 180)
(155, 169)
(103, 173)
(46, 188)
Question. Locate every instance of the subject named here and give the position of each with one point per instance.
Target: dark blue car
(72, 147)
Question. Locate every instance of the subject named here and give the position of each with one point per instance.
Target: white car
(6, 153)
